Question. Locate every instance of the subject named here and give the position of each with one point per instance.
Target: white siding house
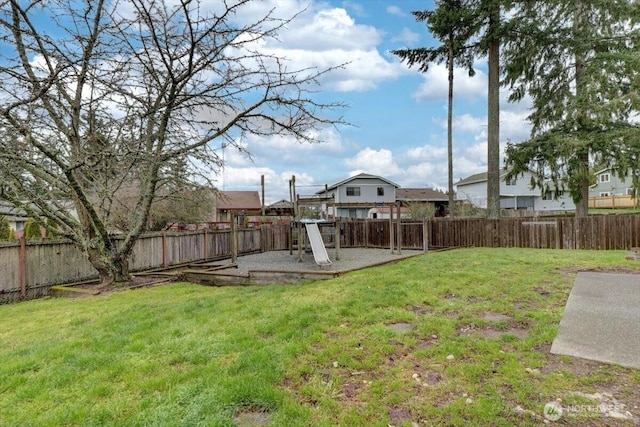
(608, 184)
(354, 197)
(516, 193)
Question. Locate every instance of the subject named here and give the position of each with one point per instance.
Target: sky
(397, 115)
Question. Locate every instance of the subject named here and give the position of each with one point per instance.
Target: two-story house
(611, 191)
(356, 196)
(608, 184)
(516, 193)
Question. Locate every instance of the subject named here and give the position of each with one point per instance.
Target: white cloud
(363, 69)
(322, 37)
(427, 152)
(328, 29)
(407, 37)
(427, 174)
(514, 126)
(394, 10)
(242, 178)
(468, 123)
(377, 162)
(436, 84)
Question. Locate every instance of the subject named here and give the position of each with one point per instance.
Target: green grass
(617, 211)
(317, 354)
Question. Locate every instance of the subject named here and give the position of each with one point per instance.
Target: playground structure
(304, 232)
(317, 244)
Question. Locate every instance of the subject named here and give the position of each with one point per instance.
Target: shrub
(32, 230)
(5, 230)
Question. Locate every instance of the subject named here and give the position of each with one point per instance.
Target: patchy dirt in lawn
(251, 417)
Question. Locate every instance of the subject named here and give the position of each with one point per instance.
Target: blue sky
(398, 114)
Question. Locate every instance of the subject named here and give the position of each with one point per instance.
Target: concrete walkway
(601, 320)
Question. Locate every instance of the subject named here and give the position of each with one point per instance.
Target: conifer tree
(452, 23)
(580, 64)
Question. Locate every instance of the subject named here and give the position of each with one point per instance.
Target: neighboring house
(436, 199)
(516, 193)
(15, 216)
(240, 203)
(280, 208)
(355, 197)
(611, 192)
(608, 184)
(385, 212)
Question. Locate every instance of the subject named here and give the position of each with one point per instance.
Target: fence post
(205, 245)
(164, 250)
(391, 242)
(425, 236)
(234, 239)
(337, 238)
(22, 261)
(399, 225)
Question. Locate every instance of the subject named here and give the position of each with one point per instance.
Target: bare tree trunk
(493, 117)
(450, 130)
(112, 268)
(582, 205)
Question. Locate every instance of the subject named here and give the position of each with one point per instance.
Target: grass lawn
(450, 338)
(619, 211)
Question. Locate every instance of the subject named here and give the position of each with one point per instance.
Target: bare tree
(97, 95)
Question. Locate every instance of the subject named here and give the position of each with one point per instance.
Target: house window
(630, 191)
(380, 191)
(551, 195)
(353, 191)
(511, 181)
(604, 177)
(604, 194)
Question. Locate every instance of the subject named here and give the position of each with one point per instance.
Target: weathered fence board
(9, 273)
(50, 263)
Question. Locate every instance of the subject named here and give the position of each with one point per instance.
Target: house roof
(281, 204)
(421, 195)
(359, 176)
(479, 177)
(238, 201)
(8, 210)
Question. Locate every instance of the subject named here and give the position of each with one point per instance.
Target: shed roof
(280, 204)
(478, 177)
(238, 200)
(421, 195)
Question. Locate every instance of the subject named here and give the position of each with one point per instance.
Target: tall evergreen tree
(491, 9)
(579, 62)
(453, 23)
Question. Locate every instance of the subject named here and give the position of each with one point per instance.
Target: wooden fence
(29, 269)
(600, 232)
(614, 201)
